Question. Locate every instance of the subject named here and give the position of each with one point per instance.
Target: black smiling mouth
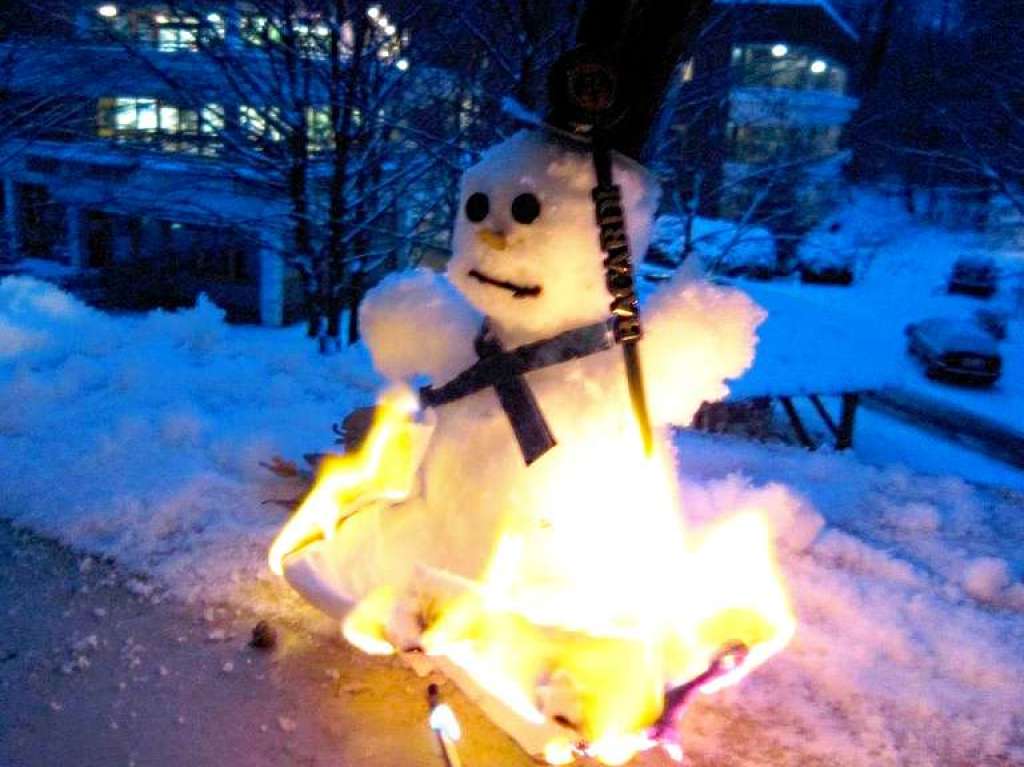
(517, 291)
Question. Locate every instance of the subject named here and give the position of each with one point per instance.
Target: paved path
(96, 673)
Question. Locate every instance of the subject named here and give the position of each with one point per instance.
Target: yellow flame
(510, 633)
(588, 622)
(383, 469)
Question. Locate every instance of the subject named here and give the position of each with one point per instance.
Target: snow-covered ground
(140, 437)
(825, 338)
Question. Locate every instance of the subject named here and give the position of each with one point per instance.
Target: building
(759, 113)
(130, 148)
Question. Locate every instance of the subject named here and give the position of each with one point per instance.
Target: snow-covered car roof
(952, 334)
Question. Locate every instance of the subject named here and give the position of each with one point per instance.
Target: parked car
(834, 268)
(973, 276)
(754, 265)
(956, 350)
(825, 257)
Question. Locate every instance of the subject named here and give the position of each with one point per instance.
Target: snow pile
(903, 625)
(141, 437)
(720, 245)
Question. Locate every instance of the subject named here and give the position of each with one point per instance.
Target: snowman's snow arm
(696, 336)
(415, 324)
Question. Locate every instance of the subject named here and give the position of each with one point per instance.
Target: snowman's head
(526, 249)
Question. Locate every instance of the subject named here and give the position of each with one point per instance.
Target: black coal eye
(477, 207)
(526, 208)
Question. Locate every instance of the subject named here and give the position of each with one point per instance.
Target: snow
(719, 244)
(140, 437)
(957, 335)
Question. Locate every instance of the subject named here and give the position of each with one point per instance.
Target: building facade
(132, 152)
(759, 113)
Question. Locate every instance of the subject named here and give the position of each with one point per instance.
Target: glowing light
(160, 19)
(559, 751)
(442, 720)
(373, 11)
(214, 18)
(818, 66)
(402, 65)
(107, 11)
(383, 469)
(551, 630)
(390, 30)
(779, 50)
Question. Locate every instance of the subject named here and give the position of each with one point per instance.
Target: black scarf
(504, 371)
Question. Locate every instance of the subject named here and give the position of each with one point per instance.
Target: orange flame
(575, 638)
(383, 469)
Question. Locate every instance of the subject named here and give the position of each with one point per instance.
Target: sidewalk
(96, 672)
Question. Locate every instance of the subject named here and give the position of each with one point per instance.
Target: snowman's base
(533, 736)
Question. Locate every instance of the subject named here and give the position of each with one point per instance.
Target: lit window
(177, 34)
(779, 50)
(260, 124)
(169, 119)
(818, 66)
(146, 115)
(687, 70)
(107, 11)
(124, 113)
(318, 122)
(212, 119)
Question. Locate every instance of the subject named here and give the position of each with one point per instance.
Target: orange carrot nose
(494, 240)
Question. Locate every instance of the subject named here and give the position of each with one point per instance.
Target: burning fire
(572, 645)
(383, 469)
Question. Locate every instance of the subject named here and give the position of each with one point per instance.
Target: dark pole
(609, 90)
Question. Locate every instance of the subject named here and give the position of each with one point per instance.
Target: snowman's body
(527, 258)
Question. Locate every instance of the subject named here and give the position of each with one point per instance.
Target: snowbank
(720, 245)
(141, 437)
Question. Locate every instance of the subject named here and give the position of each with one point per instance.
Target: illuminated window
(259, 124)
(177, 34)
(131, 114)
(687, 70)
(321, 135)
(130, 119)
(169, 119)
(787, 67)
(212, 119)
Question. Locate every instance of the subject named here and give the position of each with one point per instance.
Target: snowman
(531, 543)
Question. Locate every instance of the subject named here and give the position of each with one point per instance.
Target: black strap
(504, 371)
